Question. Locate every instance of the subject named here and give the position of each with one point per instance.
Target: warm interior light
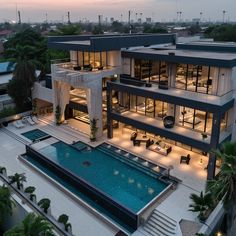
(219, 233)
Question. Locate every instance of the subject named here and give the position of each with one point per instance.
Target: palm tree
(6, 203)
(32, 225)
(201, 204)
(223, 187)
(18, 179)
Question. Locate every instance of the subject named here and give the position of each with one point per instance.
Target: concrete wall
(42, 93)
(234, 109)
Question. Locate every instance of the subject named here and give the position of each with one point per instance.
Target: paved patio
(193, 176)
(83, 222)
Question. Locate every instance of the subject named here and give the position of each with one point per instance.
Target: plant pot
(92, 139)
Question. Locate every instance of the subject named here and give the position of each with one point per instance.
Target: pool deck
(83, 222)
(175, 205)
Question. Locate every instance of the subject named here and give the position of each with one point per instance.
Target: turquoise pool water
(35, 134)
(125, 184)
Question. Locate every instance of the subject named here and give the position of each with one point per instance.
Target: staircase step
(161, 227)
(163, 220)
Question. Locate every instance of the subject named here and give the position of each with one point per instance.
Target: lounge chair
(18, 124)
(28, 119)
(35, 119)
(185, 159)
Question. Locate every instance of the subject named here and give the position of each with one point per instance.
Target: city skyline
(158, 10)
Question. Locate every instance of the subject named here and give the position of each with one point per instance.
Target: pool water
(125, 184)
(35, 134)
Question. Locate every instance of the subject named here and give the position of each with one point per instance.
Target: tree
(201, 204)
(157, 29)
(32, 225)
(23, 76)
(71, 29)
(224, 32)
(223, 187)
(97, 30)
(6, 203)
(18, 179)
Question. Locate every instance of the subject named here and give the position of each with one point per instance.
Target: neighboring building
(6, 69)
(121, 81)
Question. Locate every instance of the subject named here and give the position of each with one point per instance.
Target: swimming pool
(35, 134)
(115, 185)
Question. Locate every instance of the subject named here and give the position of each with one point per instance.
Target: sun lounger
(18, 124)
(28, 119)
(35, 119)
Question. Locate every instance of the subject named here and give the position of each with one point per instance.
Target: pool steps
(159, 224)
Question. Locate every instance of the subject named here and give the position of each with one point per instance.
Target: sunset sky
(160, 10)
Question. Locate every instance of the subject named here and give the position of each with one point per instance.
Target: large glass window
(194, 78)
(194, 119)
(151, 71)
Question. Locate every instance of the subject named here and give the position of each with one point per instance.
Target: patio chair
(28, 119)
(18, 124)
(35, 119)
(185, 159)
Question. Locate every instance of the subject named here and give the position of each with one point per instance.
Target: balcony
(194, 96)
(68, 70)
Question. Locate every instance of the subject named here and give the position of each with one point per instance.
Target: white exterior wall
(234, 109)
(114, 58)
(42, 93)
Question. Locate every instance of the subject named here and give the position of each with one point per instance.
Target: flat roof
(98, 43)
(209, 58)
(213, 46)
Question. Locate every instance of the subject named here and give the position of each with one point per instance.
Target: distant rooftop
(6, 67)
(107, 42)
(229, 47)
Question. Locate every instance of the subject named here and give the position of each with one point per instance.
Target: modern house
(182, 93)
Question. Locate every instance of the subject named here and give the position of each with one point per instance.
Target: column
(94, 103)
(215, 134)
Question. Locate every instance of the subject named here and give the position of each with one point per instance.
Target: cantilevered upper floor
(108, 42)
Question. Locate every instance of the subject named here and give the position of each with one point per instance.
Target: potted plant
(64, 220)
(3, 171)
(58, 115)
(18, 179)
(204, 135)
(34, 107)
(93, 129)
(44, 203)
(30, 191)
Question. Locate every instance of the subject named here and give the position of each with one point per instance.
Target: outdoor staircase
(159, 224)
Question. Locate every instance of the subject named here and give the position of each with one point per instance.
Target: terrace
(193, 176)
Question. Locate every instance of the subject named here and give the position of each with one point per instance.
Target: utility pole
(19, 18)
(68, 16)
(201, 16)
(99, 20)
(224, 12)
(129, 21)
